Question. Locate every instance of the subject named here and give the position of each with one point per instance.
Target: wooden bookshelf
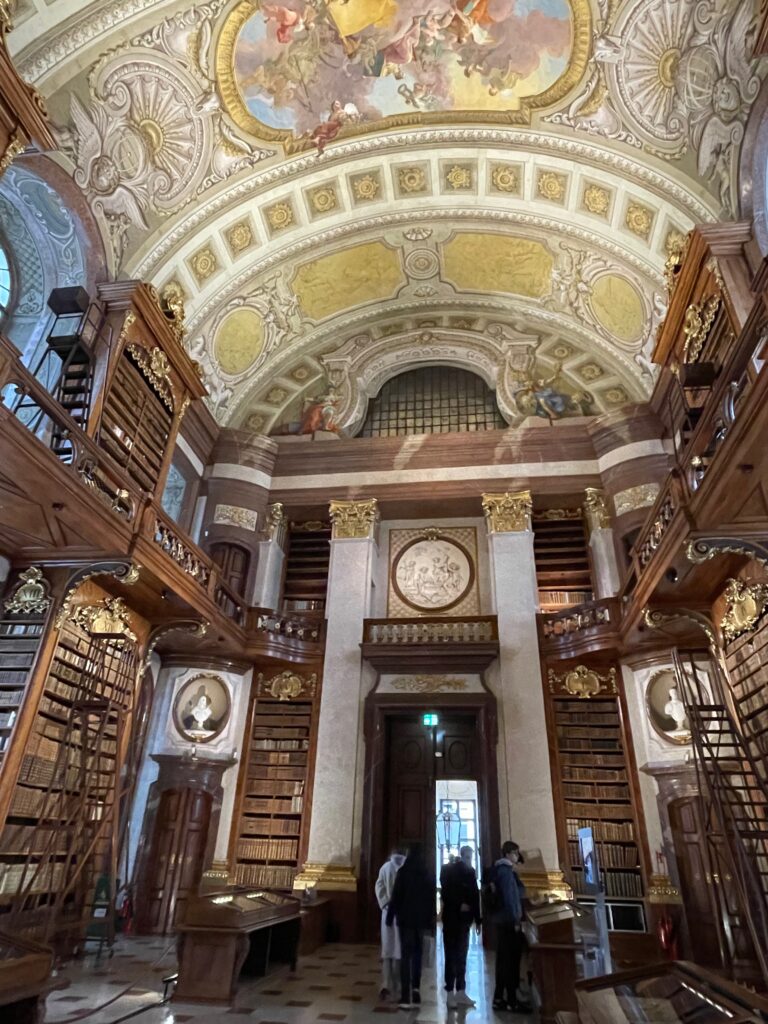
(66, 785)
(20, 638)
(595, 788)
(273, 793)
(561, 554)
(136, 424)
(306, 567)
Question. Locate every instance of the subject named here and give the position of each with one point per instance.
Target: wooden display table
(233, 931)
(557, 946)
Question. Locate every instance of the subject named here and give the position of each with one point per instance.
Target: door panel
(410, 797)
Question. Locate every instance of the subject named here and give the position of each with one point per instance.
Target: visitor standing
(413, 908)
(505, 892)
(461, 907)
(390, 937)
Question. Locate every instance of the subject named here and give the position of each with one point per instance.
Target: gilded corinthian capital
(595, 510)
(356, 519)
(508, 512)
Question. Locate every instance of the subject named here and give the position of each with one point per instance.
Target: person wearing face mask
(507, 916)
(461, 907)
(390, 937)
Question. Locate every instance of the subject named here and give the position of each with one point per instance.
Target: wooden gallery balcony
(580, 629)
(461, 644)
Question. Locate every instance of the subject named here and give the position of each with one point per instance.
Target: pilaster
(523, 751)
(605, 568)
(333, 845)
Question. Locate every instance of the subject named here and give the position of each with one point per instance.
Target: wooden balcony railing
(585, 627)
(431, 631)
(466, 643)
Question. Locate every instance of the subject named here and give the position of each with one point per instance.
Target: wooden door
(177, 858)
(234, 562)
(410, 791)
(701, 909)
(458, 748)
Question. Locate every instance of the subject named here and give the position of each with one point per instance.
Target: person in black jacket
(412, 907)
(461, 907)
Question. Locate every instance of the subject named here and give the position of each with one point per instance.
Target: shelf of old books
(19, 640)
(273, 793)
(592, 772)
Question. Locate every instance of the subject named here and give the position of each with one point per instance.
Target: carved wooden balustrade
(292, 637)
(463, 642)
(591, 626)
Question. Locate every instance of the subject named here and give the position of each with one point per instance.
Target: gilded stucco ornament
(429, 684)
(14, 148)
(31, 594)
(582, 682)
(641, 496)
(353, 519)
(157, 369)
(745, 605)
(509, 512)
(287, 685)
(172, 305)
(236, 515)
(699, 318)
(275, 520)
(109, 618)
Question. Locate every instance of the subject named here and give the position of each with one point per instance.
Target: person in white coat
(390, 936)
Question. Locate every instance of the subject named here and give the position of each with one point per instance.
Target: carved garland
(582, 682)
(157, 370)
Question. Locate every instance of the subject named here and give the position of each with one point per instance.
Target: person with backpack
(503, 894)
(461, 907)
(412, 906)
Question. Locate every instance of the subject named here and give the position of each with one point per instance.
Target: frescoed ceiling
(340, 189)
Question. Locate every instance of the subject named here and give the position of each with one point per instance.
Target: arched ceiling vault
(342, 189)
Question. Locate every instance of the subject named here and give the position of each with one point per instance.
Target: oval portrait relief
(665, 707)
(432, 575)
(201, 708)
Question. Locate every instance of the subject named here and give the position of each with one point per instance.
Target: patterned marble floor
(336, 985)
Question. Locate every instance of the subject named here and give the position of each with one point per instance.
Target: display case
(233, 931)
(678, 991)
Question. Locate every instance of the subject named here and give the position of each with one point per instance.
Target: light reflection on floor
(338, 984)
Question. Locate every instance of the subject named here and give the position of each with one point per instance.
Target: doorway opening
(457, 822)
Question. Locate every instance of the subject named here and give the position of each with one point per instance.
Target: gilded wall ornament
(204, 264)
(412, 179)
(508, 512)
(595, 510)
(275, 519)
(582, 682)
(506, 178)
(353, 519)
(280, 215)
(14, 148)
(642, 496)
(172, 305)
(287, 686)
(156, 368)
(429, 684)
(459, 177)
(699, 318)
(31, 594)
(745, 605)
(234, 515)
(323, 199)
(596, 200)
(240, 237)
(675, 246)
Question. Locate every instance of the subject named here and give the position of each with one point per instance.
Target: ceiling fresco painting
(341, 189)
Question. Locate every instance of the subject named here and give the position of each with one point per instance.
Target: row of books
(599, 811)
(280, 745)
(280, 722)
(564, 598)
(270, 826)
(63, 689)
(268, 849)
(278, 757)
(264, 771)
(595, 760)
(610, 856)
(269, 877)
(32, 838)
(595, 792)
(271, 787)
(587, 732)
(274, 805)
(596, 744)
(281, 733)
(609, 831)
(593, 774)
(14, 677)
(617, 883)
(589, 717)
(14, 877)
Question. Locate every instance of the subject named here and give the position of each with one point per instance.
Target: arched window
(5, 283)
(432, 400)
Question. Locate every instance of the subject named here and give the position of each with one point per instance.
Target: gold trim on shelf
(287, 686)
(125, 573)
(31, 594)
(156, 368)
(746, 604)
(595, 510)
(326, 877)
(509, 512)
(661, 890)
(698, 323)
(107, 618)
(353, 519)
(550, 884)
(582, 682)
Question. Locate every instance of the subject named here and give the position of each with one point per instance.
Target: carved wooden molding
(582, 682)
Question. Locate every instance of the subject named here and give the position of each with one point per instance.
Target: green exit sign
(429, 718)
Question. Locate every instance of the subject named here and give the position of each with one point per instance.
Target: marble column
(333, 845)
(525, 781)
(271, 555)
(605, 567)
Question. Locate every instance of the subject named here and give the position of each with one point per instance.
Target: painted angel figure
(327, 131)
(288, 22)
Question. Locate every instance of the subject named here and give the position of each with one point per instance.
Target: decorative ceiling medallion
(458, 177)
(428, 684)
(239, 237)
(304, 76)
(280, 215)
(582, 682)
(432, 574)
(286, 686)
(552, 186)
(411, 179)
(506, 178)
(204, 264)
(323, 199)
(366, 187)
(639, 220)
(745, 605)
(597, 200)
(31, 594)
